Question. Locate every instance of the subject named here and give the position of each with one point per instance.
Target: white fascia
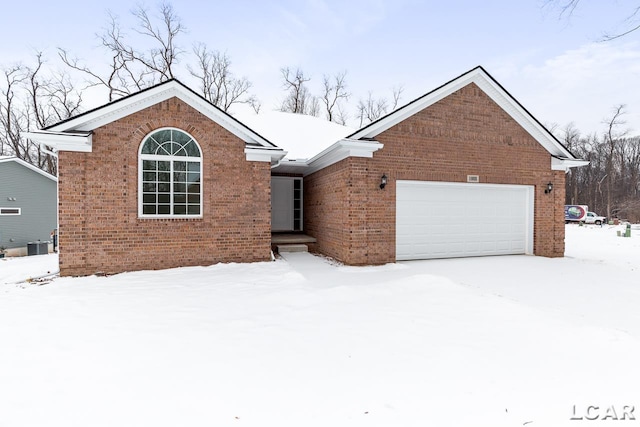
(341, 150)
(261, 154)
(296, 166)
(63, 141)
(564, 164)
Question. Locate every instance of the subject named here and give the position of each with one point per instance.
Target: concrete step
(290, 238)
(293, 248)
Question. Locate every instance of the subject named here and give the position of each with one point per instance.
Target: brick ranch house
(162, 178)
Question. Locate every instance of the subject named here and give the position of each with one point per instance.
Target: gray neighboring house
(28, 203)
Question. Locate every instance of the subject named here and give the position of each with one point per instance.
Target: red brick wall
(99, 226)
(326, 205)
(464, 134)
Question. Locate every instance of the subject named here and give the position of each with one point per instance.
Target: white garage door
(448, 220)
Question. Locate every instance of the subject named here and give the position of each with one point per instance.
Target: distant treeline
(610, 184)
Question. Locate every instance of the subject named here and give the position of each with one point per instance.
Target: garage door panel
(443, 220)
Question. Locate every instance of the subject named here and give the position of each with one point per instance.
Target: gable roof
(123, 107)
(75, 133)
(7, 159)
(494, 90)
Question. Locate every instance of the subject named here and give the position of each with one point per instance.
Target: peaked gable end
(74, 134)
(487, 84)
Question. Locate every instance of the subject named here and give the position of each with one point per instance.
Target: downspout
(49, 152)
(273, 166)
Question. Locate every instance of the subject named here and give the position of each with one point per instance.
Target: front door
(281, 203)
(286, 203)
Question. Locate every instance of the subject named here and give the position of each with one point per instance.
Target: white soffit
(485, 82)
(332, 154)
(341, 150)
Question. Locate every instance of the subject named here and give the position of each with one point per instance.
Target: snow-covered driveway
(304, 342)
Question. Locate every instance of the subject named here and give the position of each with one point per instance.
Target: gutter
(341, 150)
(565, 163)
(63, 141)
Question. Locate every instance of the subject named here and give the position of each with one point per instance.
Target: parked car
(594, 218)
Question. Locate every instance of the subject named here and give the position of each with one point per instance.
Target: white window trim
(301, 180)
(10, 214)
(170, 159)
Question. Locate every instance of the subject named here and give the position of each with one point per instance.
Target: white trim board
(3, 211)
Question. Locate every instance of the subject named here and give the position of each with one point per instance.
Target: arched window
(170, 175)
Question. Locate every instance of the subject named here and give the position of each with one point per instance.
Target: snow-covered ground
(498, 341)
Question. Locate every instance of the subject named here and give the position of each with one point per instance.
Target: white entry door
(448, 220)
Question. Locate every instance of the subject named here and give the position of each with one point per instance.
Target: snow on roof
(300, 135)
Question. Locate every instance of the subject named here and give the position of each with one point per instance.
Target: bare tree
(571, 140)
(12, 118)
(312, 106)
(35, 88)
(612, 137)
(396, 96)
(631, 22)
(341, 116)
(611, 181)
(117, 78)
(64, 100)
(131, 69)
(298, 98)
(371, 109)
(566, 6)
(163, 56)
(334, 91)
(255, 104)
(37, 109)
(32, 99)
(217, 83)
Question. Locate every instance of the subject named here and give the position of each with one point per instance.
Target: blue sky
(555, 67)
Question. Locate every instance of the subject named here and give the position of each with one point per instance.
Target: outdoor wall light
(549, 188)
(383, 181)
